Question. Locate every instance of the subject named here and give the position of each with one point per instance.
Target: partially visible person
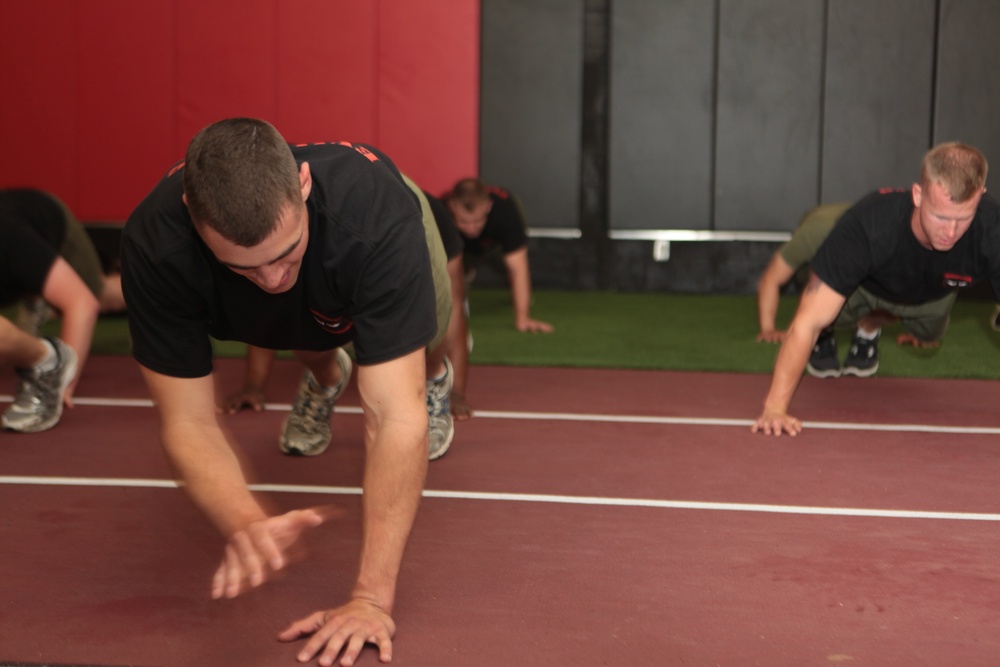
(792, 258)
(894, 256)
(490, 219)
(260, 361)
(47, 261)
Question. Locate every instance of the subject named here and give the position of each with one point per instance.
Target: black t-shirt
(504, 226)
(32, 229)
(873, 246)
(365, 276)
(450, 237)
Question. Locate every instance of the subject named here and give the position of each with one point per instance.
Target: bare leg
(19, 349)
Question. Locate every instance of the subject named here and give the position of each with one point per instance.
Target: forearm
(458, 349)
(767, 305)
(210, 474)
(77, 328)
(788, 368)
(520, 286)
(260, 361)
(394, 478)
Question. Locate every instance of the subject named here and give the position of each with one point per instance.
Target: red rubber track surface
(585, 517)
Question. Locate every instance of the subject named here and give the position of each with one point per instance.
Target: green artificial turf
(665, 331)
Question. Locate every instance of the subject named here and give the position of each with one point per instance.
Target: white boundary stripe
(611, 419)
(530, 498)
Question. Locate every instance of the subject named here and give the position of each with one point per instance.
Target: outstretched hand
(772, 336)
(534, 326)
(775, 422)
(248, 397)
(256, 552)
(909, 339)
(459, 408)
(347, 628)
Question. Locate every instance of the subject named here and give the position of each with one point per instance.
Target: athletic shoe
(995, 319)
(306, 431)
(823, 361)
(862, 359)
(440, 426)
(38, 401)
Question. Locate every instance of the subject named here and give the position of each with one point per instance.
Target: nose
(269, 277)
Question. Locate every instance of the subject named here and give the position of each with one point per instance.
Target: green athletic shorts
(79, 252)
(927, 322)
(439, 265)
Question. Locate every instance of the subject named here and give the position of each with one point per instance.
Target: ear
(917, 194)
(184, 198)
(305, 180)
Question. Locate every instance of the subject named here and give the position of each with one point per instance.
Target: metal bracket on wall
(662, 238)
(554, 233)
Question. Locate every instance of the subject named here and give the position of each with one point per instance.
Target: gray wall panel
(877, 120)
(530, 123)
(769, 90)
(662, 62)
(968, 91)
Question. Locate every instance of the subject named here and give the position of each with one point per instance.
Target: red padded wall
(100, 97)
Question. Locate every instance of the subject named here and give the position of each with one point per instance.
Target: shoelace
(311, 408)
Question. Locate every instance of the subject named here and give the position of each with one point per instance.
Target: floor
(584, 517)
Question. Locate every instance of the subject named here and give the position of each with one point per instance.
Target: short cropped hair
(959, 168)
(239, 175)
(470, 193)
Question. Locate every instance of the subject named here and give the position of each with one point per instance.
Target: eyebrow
(287, 252)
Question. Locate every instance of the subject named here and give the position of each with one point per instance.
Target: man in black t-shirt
(304, 248)
(895, 255)
(46, 260)
(490, 221)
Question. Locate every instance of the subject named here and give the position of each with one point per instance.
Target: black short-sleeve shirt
(32, 229)
(365, 276)
(505, 227)
(873, 246)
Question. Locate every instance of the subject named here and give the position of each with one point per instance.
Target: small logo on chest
(334, 325)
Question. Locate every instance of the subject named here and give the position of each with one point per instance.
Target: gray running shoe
(38, 401)
(440, 426)
(306, 431)
(823, 361)
(862, 358)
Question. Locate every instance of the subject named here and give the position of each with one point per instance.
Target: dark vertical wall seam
(594, 139)
(935, 64)
(713, 148)
(822, 98)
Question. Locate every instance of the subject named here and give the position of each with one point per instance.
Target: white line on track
(621, 419)
(529, 498)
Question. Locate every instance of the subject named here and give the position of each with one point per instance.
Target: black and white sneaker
(862, 359)
(823, 361)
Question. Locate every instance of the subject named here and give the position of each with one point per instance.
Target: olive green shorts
(927, 322)
(79, 252)
(439, 265)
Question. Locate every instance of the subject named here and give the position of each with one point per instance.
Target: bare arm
(818, 308)
(197, 448)
(78, 308)
(211, 474)
(520, 288)
(392, 396)
(458, 337)
(775, 275)
(260, 361)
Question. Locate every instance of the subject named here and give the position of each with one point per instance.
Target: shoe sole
(860, 372)
(828, 373)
